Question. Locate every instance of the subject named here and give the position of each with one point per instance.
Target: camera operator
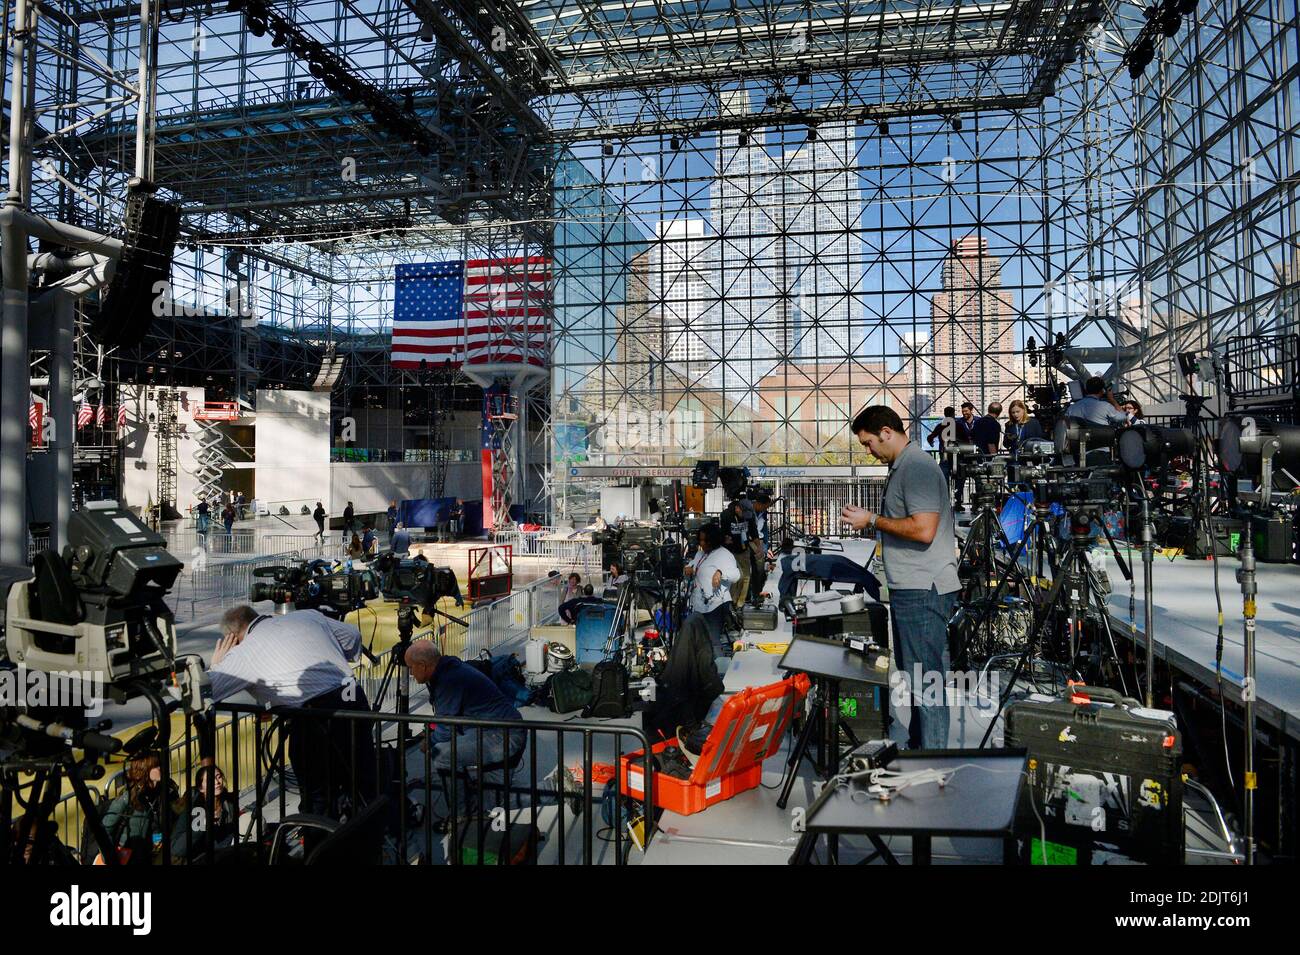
(301, 659)
(761, 555)
(712, 572)
(915, 527)
(1097, 406)
(739, 533)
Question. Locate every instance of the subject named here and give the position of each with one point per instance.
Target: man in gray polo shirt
(915, 526)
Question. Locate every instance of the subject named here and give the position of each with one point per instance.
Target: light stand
(1246, 577)
(1147, 539)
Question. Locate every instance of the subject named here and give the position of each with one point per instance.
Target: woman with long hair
(1020, 427)
(134, 818)
(193, 828)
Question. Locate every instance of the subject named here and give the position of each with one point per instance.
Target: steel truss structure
(760, 216)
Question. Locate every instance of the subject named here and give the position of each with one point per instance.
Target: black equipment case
(872, 620)
(1101, 769)
(758, 618)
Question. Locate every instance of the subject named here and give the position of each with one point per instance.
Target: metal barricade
(491, 784)
(223, 583)
(813, 507)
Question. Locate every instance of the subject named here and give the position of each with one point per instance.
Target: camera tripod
(397, 655)
(44, 748)
(1074, 590)
(984, 568)
(48, 773)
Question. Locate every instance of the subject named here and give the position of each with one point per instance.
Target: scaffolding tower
(167, 400)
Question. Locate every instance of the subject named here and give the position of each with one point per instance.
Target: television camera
(93, 614)
(314, 585)
(97, 609)
(642, 550)
(415, 578)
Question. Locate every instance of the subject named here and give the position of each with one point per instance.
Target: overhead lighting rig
(400, 122)
(1164, 19)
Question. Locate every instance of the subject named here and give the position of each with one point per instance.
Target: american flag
(475, 312)
(101, 415)
(121, 416)
(84, 414)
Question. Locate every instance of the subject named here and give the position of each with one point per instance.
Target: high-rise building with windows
(974, 342)
(786, 260)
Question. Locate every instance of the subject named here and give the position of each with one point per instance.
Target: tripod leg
(811, 725)
(1094, 597)
(93, 819)
(1040, 624)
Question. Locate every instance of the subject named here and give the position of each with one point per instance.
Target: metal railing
(332, 546)
(814, 506)
(187, 541)
(486, 773)
(547, 545)
(220, 584)
(71, 820)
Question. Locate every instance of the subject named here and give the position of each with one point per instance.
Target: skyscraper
(974, 344)
(786, 263)
(683, 295)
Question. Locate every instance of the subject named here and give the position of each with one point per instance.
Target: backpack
(508, 674)
(569, 690)
(609, 692)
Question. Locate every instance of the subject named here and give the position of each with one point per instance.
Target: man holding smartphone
(915, 527)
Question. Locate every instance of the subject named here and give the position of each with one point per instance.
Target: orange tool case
(748, 730)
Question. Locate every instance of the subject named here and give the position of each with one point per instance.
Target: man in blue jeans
(915, 526)
(458, 689)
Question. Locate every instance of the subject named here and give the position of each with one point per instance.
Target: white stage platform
(1186, 627)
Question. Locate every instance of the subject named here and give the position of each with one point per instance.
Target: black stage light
(956, 124)
(1147, 446)
(884, 128)
(742, 139)
(607, 149)
(1140, 57)
(1170, 20)
(1186, 7)
(1244, 441)
(1072, 432)
(256, 25)
(805, 77)
(674, 144)
(812, 134)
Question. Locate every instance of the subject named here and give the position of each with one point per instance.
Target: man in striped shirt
(302, 659)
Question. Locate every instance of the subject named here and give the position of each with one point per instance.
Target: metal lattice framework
(761, 216)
